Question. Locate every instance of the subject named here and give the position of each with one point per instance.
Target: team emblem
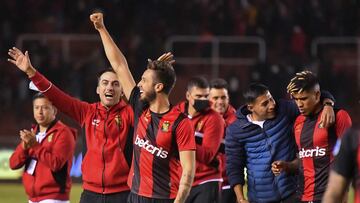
(147, 116)
(199, 125)
(118, 120)
(165, 126)
(50, 137)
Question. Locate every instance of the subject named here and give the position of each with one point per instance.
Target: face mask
(201, 105)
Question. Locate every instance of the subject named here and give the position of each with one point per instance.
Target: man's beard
(149, 97)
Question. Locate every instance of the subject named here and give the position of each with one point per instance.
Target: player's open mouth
(109, 95)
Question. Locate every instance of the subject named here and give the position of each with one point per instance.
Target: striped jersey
(158, 138)
(315, 147)
(347, 160)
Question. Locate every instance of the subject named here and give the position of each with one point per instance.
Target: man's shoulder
(241, 127)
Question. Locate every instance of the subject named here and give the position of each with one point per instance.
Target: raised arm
(116, 58)
(73, 107)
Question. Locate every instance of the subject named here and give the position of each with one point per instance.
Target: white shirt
(259, 123)
(40, 136)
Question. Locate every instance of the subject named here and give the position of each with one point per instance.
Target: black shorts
(93, 197)
(134, 198)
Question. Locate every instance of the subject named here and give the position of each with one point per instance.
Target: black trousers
(134, 198)
(93, 197)
(228, 196)
(204, 193)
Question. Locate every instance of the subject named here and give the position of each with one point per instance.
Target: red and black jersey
(315, 147)
(158, 139)
(229, 116)
(347, 159)
(209, 130)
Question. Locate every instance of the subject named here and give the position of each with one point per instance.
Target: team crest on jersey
(147, 116)
(165, 126)
(50, 137)
(321, 125)
(199, 125)
(118, 120)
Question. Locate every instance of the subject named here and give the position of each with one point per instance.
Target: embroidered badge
(50, 137)
(147, 116)
(165, 126)
(118, 120)
(199, 125)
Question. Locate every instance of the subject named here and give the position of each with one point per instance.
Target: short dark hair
(164, 73)
(38, 95)
(198, 81)
(100, 73)
(254, 91)
(219, 83)
(303, 81)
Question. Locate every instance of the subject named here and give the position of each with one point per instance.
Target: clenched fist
(98, 20)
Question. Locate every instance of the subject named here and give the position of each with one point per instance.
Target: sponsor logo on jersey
(145, 144)
(317, 152)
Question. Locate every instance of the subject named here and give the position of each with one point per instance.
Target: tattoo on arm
(185, 186)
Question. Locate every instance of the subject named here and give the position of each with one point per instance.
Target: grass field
(14, 193)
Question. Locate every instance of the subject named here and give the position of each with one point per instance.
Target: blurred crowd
(142, 27)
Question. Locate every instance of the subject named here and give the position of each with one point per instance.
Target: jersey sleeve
(343, 122)
(212, 137)
(71, 106)
(18, 158)
(185, 136)
(345, 160)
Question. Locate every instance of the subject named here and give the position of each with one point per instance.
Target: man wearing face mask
(209, 128)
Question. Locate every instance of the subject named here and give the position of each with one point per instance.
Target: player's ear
(159, 87)
(250, 107)
(187, 95)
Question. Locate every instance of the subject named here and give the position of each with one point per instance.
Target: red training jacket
(108, 149)
(51, 178)
(209, 130)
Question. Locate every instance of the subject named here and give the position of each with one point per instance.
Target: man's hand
(327, 118)
(242, 201)
(167, 57)
(98, 20)
(278, 166)
(28, 138)
(22, 61)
